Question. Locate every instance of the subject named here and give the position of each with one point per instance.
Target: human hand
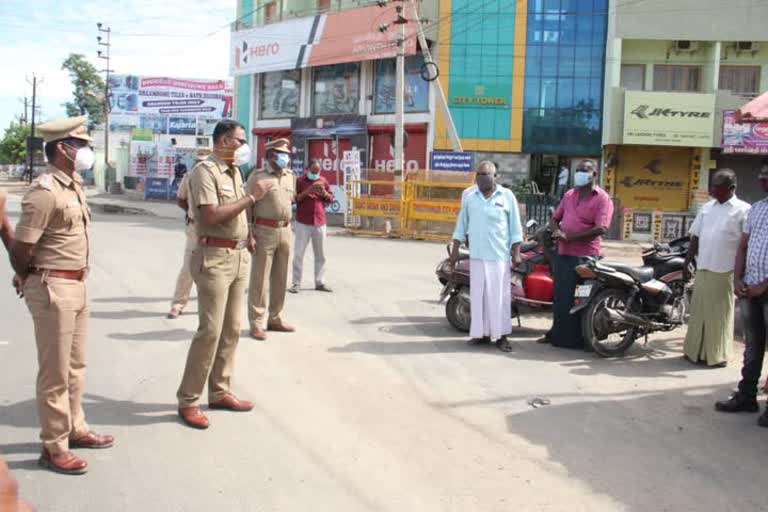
(758, 290)
(9, 492)
(559, 234)
(251, 245)
(18, 285)
(259, 188)
(739, 288)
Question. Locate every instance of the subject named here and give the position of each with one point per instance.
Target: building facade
(322, 73)
(675, 72)
(523, 81)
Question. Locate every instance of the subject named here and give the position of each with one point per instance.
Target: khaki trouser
(184, 281)
(220, 276)
(270, 265)
(304, 234)
(59, 309)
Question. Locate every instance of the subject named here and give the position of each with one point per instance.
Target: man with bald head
(490, 217)
(715, 236)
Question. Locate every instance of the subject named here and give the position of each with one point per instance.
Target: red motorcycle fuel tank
(538, 284)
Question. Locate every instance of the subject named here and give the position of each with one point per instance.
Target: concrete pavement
(375, 404)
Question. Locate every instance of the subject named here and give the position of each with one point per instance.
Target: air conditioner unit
(685, 46)
(746, 46)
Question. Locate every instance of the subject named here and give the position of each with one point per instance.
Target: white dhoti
(491, 298)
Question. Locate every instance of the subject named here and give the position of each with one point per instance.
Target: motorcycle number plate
(583, 291)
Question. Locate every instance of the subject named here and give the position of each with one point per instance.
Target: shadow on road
(127, 314)
(164, 335)
(634, 446)
(129, 300)
(99, 410)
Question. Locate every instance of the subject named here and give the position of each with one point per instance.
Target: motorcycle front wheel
(607, 337)
(457, 311)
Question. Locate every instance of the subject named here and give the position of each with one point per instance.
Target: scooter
(531, 281)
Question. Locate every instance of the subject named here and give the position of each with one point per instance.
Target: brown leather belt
(223, 243)
(75, 275)
(271, 223)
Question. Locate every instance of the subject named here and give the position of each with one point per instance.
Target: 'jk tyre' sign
(669, 119)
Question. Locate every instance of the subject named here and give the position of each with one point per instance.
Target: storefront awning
(756, 111)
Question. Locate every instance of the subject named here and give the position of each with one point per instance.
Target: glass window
(742, 80)
(416, 89)
(633, 77)
(674, 78)
(280, 94)
(336, 89)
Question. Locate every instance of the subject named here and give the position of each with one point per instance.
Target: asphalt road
(374, 404)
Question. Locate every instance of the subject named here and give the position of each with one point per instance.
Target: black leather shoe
(480, 341)
(737, 403)
(504, 345)
(763, 419)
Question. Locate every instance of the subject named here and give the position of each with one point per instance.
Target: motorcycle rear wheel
(457, 311)
(597, 329)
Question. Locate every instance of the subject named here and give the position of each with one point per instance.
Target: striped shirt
(757, 250)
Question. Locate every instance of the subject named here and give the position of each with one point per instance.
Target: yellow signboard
(669, 119)
(653, 178)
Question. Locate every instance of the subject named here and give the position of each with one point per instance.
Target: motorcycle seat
(641, 274)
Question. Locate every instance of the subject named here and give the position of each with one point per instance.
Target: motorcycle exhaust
(627, 318)
(634, 320)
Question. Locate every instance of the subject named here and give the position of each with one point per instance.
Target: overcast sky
(176, 38)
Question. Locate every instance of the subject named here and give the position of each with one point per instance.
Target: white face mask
(582, 178)
(243, 155)
(84, 159)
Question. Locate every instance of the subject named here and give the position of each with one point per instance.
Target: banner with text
(352, 35)
(669, 119)
(163, 96)
(747, 138)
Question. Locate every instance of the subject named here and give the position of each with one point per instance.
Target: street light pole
(400, 92)
(106, 57)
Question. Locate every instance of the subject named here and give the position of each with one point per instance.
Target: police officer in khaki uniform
(50, 256)
(271, 230)
(219, 266)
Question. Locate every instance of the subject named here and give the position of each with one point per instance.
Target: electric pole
(449, 125)
(400, 21)
(31, 140)
(105, 56)
(24, 118)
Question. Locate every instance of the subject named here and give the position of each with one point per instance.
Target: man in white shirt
(715, 237)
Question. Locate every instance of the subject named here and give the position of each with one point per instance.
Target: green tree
(88, 90)
(13, 145)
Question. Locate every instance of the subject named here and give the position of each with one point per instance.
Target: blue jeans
(754, 315)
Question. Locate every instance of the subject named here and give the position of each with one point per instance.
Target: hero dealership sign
(349, 36)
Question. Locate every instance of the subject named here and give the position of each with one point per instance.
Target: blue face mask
(282, 160)
(313, 176)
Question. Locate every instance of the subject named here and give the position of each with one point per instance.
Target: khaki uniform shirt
(277, 204)
(55, 218)
(212, 182)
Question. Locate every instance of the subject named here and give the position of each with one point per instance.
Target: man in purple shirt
(579, 223)
(751, 286)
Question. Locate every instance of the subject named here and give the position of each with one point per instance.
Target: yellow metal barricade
(424, 206)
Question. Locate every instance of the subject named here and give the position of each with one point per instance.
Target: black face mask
(485, 183)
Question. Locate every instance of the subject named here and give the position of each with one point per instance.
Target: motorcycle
(622, 303)
(531, 281)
